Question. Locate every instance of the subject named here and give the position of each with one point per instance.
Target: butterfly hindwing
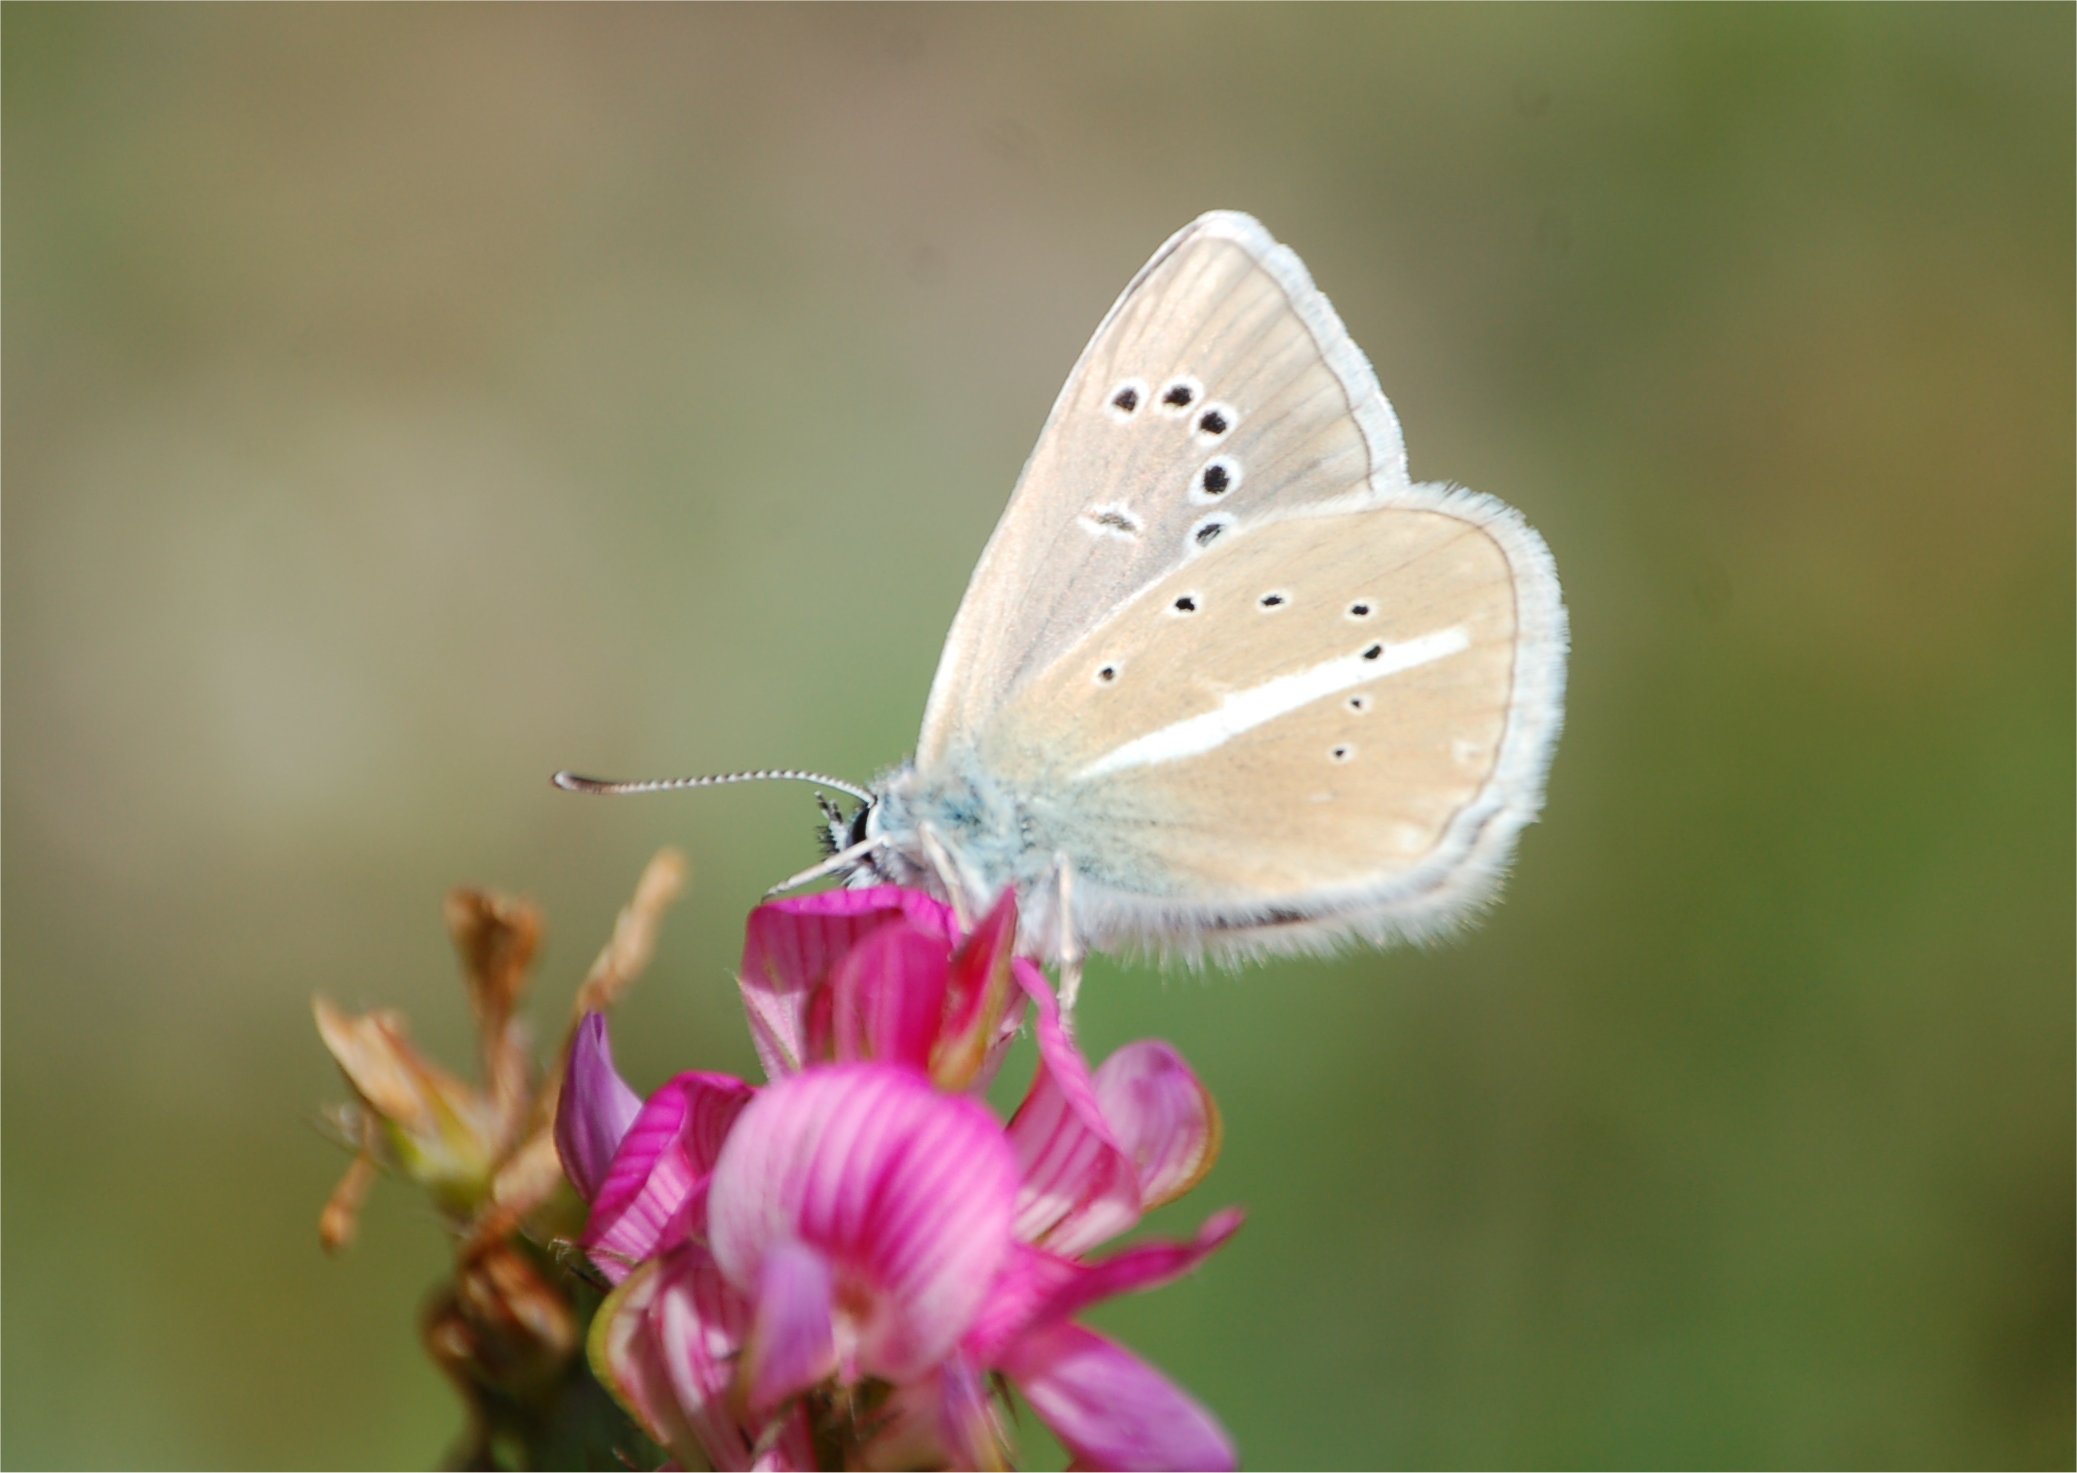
(1332, 716)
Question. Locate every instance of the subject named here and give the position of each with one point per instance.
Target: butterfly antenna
(570, 782)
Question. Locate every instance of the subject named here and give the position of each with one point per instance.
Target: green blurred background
(404, 403)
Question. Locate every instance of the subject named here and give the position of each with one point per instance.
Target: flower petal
(1110, 1408)
(947, 1419)
(907, 1192)
(1031, 1279)
(1037, 1288)
(663, 1161)
(983, 1005)
(1079, 1186)
(1162, 1115)
(792, 1341)
(967, 1419)
(790, 946)
(887, 997)
(698, 1324)
(595, 1110)
(1135, 1270)
(627, 1359)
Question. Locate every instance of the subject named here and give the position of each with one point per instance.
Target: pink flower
(883, 974)
(839, 1265)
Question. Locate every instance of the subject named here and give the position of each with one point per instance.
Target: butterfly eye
(1178, 394)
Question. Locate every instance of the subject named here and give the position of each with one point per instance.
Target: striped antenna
(572, 783)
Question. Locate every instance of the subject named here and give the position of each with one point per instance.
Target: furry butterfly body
(1225, 679)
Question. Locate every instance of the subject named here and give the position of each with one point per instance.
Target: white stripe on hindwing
(1244, 710)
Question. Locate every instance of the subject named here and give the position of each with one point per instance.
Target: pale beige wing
(1219, 387)
(1330, 723)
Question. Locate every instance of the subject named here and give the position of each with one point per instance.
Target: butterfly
(1225, 680)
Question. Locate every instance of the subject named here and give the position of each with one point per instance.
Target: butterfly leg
(950, 877)
(841, 860)
(1067, 946)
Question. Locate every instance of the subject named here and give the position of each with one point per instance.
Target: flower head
(846, 1258)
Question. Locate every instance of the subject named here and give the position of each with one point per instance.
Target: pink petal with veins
(985, 950)
(1110, 1408)
(1136, 1269)
(1079, 1187)
(905, 1191)
(628, 1361)
(699, 1324)
(663, 1162)
(887, 997)
(1031, 1279)
(984, 1002)
(1161, 1115)
(791, 945)
(1037, 1288)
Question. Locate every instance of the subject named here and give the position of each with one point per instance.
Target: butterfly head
(874, 842)
(839, 830)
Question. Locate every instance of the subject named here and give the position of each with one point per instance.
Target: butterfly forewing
(1219, 389)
